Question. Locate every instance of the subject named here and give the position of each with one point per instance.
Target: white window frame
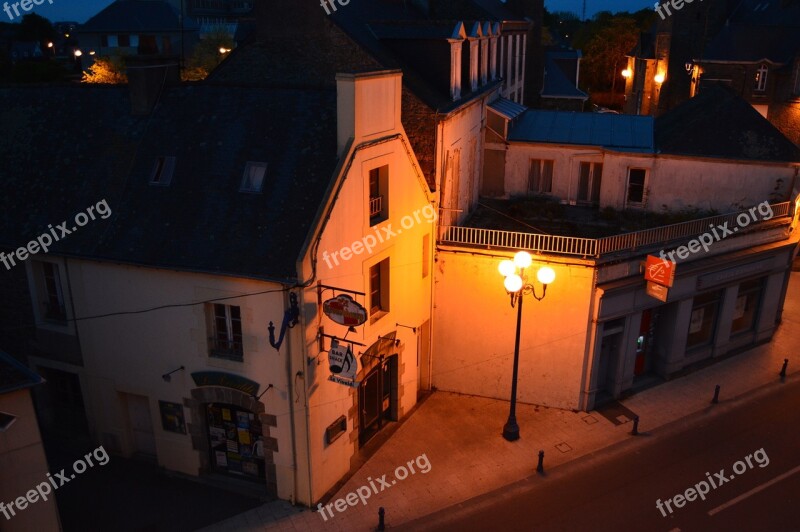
(642, 203)
(761, 78)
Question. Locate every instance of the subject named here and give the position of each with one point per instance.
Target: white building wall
(474, 329)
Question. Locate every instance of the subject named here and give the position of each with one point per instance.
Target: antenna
(583, 17)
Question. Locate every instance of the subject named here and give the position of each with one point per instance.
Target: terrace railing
(597, 247)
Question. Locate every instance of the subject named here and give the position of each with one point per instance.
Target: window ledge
(375, 316)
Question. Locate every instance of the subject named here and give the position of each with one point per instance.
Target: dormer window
(253, 178)
(162, 171)
(761, 78)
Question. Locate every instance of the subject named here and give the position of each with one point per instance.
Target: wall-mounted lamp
(627, 73)
(659, 78)
(689, 67)
(262, 393)
(166, 376)
(291, 316)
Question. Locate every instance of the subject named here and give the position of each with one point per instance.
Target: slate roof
(557, 83)
(628, 133)
(137, 15)
(14, 375)
(718, 123)
(507, 108)
(758, 30)
(70, 147)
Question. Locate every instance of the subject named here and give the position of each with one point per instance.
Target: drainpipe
(290, 389)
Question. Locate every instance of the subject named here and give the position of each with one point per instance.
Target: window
(746, 307)
(378, 195)
(147, 45)
(124, 41)
(134, 41)
(540, 176)
(636, 180)
(761, 78)
(379, 289)
(226, 327)
(703, 320)
(112, 41)
(253, 178)
(53, 303)
(162, 171)
(589, 182)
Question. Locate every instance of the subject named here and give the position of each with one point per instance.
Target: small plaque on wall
(172, 419)
(335, 429)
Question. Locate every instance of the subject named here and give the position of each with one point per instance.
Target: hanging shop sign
(345, 310)
(342, 364)
(227, 380)
(657, 291)
(659, 271)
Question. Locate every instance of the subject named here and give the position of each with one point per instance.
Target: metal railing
(222, 348)
(375, 206)
(596, 247)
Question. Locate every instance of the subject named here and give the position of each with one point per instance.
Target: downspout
(290, 388)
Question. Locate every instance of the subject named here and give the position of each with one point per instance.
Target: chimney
(367, 106)
(147, 76)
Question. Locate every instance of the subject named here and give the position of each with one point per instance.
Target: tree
(35, 28)
(207, 55)
(109, 70)
(605, 53)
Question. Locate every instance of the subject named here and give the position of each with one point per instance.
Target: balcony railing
(375, 206)
(230, 349)
(597, 247)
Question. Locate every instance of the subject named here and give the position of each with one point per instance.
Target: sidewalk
(468, 456)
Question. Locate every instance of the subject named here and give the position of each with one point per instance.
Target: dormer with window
(253, 178)
(378, 195)
(493, 49)
(760, 84)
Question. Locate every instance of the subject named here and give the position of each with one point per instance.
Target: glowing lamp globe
(506, 268)
(659, 78)
(546, 275)
(513, 283)
(522, 259)
(626, 73)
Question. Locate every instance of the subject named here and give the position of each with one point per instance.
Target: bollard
(540, 467)
(783, 369)
(635, 431)
(381, 513)
(715, 400)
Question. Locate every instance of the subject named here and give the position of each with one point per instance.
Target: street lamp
(627, 73)
(517, 285)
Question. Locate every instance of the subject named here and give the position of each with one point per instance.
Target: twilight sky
(81, 10)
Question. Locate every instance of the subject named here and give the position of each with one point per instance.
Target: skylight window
(162, 171)
(253, 178)
(6, 420)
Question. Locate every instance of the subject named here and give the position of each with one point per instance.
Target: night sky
(80, 10)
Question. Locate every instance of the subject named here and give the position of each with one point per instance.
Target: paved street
(618, 490)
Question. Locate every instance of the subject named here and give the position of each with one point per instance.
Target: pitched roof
(76, 146)
(557, 82)
(14, 375)
(137, 15)
(718, 123)
(612, 131)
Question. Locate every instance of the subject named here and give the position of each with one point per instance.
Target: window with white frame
(540, 176)
(761, 78)
(589, 178)
(378, 194)
(637, 177)
(52, 297)
(225, 325)
(253, 178)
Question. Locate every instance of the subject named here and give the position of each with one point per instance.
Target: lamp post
(517, 285)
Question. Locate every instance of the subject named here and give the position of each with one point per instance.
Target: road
(617, 489)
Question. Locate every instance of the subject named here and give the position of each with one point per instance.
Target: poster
(217, 436)
(244, 436)
(172, 419)
(222, 460)
(233, 446)
(226, 414)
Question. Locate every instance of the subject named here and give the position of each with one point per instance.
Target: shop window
(226, 328)
(703, 320)
(746, 306)
(540, 176)
(236, 441)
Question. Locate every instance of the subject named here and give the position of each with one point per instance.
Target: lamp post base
(511, 431)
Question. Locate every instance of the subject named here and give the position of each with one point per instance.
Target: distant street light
(78, 53)
(516, 284)
(627, 73)
(224, 50)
